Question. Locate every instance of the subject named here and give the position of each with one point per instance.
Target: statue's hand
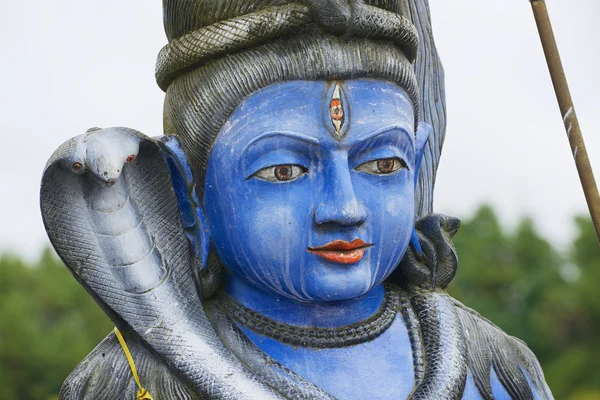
(100, 152)
(435, 264)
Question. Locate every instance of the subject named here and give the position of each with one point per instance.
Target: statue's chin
(327, 282)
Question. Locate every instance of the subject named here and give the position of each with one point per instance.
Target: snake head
(101, 152)
(107, 151)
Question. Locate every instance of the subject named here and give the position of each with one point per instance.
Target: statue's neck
(321, 315)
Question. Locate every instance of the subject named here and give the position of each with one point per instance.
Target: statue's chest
(378, 369)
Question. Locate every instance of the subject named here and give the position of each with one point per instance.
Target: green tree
(521, 283)
(578, 360)
(47, 325)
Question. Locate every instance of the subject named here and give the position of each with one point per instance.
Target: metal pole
(559, 80)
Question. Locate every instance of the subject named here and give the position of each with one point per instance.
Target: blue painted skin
(192, 217)
(261, 227)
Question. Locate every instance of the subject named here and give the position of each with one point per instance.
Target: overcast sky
(68, 65)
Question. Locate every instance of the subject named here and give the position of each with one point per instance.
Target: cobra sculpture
(112, 189)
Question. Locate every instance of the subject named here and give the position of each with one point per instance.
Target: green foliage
(48, 323)
(515, 278)
(549, 300)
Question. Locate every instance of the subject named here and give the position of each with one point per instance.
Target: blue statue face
(309, 191)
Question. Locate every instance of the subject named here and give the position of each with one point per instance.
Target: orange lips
(342, 252)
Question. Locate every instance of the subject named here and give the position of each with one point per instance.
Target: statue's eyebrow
(291, 135)
(365, 143)
(372, 135)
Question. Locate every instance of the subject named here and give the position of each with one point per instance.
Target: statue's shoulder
(491, 351)
(105, 374)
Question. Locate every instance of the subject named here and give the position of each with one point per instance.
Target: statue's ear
(193, 218)
(422, 136)
(414, 242)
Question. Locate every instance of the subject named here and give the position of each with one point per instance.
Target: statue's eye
(382, 166)
(281, 173)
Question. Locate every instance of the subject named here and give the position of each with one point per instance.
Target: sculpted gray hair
(222, 51)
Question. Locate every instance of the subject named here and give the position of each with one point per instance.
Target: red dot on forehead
(336, 111)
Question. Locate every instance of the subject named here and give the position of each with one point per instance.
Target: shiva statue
(278, 242)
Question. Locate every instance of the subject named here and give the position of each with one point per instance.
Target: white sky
(71, 64)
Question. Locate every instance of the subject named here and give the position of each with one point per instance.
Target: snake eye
(76, 166)
(130, 158)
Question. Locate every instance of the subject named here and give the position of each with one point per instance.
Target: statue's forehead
(311, 107)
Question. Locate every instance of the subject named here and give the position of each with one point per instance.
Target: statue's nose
(339, 203)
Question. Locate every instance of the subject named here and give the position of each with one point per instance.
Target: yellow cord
(142, 394)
